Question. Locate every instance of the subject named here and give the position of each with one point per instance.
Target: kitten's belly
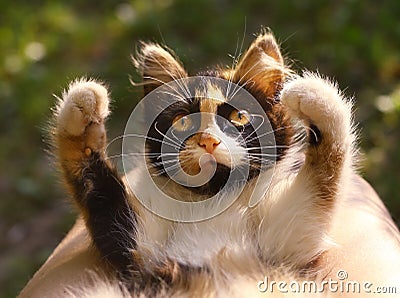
(199, 243)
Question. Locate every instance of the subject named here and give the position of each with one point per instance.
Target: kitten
(285, 230)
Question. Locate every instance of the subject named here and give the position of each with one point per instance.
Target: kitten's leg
(99, 192)
(297, 224)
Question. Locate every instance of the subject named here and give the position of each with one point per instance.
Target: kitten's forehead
(209, 98)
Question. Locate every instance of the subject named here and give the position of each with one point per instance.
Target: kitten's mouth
(215, 182)
(205, 176)
(207, 160)
(207, 167)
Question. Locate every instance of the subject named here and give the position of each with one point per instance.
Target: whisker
(172, 133)
(238, 86)
(243, 37)
(167, 154)
(165, 169)
(257, 164)
(153, 139)
(146, 154)
(161, 82)
(250, 80)
(261, 154)
(262, 160)
(266, 133)
(184, 88)
(234, 63)
(166, 162)
(168, 181)
(136, 84)
(263, 157)
(267, 147)
(155, 79)
(180, 85)
(176, 95)
(245, 139)
(165, 136)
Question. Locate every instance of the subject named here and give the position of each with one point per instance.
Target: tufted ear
(261, 65)
(158, 66)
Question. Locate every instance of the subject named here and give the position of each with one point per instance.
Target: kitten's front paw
(82, 111)
(318, 102)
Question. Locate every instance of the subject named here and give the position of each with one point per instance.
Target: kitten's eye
(240, 118)
(182, 122)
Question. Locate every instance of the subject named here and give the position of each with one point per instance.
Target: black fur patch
(110, 219)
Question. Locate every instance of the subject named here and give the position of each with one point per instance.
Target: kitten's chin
(215, 178)
(217, 182)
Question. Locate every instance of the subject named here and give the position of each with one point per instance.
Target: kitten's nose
(209, 142)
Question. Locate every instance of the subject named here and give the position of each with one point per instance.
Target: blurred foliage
(45, 44)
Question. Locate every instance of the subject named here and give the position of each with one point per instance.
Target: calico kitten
(228, 253)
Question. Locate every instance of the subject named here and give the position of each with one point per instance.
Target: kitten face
(214, 133)
(217, 130)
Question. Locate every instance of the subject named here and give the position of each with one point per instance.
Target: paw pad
(83, 103)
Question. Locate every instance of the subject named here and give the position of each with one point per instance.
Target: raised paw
(81, 113)
(319, 103)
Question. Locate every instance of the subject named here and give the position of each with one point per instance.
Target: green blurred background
(45, 44)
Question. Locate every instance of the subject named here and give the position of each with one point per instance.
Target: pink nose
(209, 142)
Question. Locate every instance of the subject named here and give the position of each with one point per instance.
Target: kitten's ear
(262, 65)
(157, 66)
